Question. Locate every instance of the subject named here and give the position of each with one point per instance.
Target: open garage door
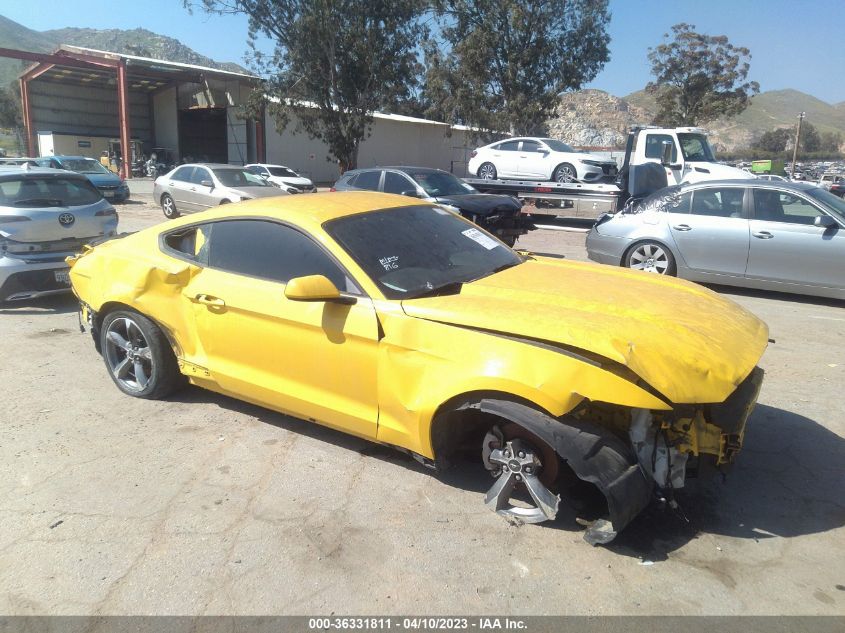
(202, 135)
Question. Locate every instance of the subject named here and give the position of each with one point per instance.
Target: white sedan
(283, 177)
(538, 159)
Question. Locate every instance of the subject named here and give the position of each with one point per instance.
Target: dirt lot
(205, 505)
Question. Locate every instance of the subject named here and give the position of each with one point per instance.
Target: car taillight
(473, 154)
(332, 189)
(103, 212)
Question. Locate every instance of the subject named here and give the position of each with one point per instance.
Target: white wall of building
(395, 140)
(165, 120)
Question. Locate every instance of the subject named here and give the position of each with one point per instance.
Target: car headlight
(594, 163)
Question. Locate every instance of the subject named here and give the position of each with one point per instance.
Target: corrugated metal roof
(151, 61)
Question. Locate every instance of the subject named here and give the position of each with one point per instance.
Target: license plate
(62, 276)
(108, 194)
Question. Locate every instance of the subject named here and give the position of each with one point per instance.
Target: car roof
(61, 157)
(421, 170)
(14, 172)
(313, 208)
(211, 165)
(747, 182)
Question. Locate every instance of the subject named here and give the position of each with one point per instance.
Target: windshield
(83, 166)
(282, 171)
(413, 251)
(557, 146)
(834, 204)
(239, 178)
(696, 147)
(439, 183)
(47, 192)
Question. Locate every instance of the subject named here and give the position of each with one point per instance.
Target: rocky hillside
(131, 42)
(595, 118)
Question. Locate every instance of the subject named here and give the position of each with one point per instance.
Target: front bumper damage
(634, 455)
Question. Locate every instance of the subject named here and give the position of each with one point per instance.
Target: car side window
(654, 146)
(718, 202)
(191, 242)
(508, 146)
(679, 204)
(268, 250)
(199, 175)
(183, 174)
(530, 146)
(396, 183)
(368, 180)
(779, 206)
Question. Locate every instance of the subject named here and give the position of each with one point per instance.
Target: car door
(654, 154)
(710, 230)
(200, 196)
(505, 156)
(533, 160)
(178, 186)
(315, 360)
(787, 247)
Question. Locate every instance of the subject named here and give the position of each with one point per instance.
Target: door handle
(763, 235)
(682, 227)
(208, 300)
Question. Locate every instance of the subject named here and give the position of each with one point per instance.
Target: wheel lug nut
(507, 453)
(522, 453)
(519, 477)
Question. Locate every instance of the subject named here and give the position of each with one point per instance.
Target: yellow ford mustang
(398, 321)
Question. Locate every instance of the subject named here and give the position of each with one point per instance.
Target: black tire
(224, 201)
(652, 257)
(487, 171)
(565, 172)
(168, 206)
(164, 376)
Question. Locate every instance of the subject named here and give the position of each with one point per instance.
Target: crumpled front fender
(594, 454)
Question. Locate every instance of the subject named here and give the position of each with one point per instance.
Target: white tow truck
(684, 152)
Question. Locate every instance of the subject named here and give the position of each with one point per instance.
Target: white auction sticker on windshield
(477, 236)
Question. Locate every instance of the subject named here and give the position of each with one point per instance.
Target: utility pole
(795, 149)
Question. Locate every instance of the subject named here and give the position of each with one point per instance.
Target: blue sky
(794, 44)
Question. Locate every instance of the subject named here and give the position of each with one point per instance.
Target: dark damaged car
(497, 214)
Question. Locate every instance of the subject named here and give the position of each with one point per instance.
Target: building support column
(123, 121)
(27, 118)
(260, 146)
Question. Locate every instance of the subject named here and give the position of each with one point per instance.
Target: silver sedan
(782, 236)
(191, 188)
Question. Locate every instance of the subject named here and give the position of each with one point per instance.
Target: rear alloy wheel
(524, 468)
(138, 356)
(487, 171)
(652, 258)
(565, 173)
(169, 207)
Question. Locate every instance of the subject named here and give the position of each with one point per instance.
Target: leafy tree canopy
(334, 63)
(501, 66)
(699, 77)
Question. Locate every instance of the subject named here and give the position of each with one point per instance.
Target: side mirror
(666, 153)
(312, 288)
(824, 221)
(413, 193)
(207, 183)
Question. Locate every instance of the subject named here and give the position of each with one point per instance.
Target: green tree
(810, 139)
(501, 66)
(699, 77)
(334, 63)
(830, 142)
(773, 141)
(10, 109)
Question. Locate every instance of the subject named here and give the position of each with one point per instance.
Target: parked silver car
(197, 187)
(772, 235)
(45, 216)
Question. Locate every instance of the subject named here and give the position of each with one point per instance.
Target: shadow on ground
(788, 482)
(58, 304)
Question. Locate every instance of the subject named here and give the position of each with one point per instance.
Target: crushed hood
(686, 341)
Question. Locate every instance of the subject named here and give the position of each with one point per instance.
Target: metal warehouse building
(86, 98)
(81, 101)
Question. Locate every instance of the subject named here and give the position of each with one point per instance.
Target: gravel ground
(205, 505)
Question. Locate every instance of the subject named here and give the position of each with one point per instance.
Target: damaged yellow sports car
(399, 321)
